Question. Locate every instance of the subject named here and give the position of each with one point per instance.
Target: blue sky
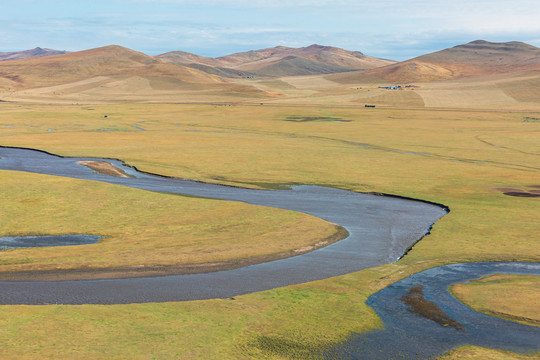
(392, 29)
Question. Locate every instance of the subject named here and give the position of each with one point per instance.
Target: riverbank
(152, 271)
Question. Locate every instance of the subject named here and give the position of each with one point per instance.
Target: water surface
(410, 336)
(14, 242)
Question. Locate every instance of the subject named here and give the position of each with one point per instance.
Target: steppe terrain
(478, 75)
(465, 135)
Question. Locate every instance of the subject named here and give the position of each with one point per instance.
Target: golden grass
(478, 353)
(141, 228)
(398, 98)
(512, 297)
(505, 92)
(212, 329)
(525, 90)
(458, 158)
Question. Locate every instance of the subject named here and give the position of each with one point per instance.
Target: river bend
(381, 229)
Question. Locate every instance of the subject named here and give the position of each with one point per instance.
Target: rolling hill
(111, 72)
(475, 59)
(484, 53)
(77, 66)
(479, 75)
(28, 54)
(282, 61)
(183, 57)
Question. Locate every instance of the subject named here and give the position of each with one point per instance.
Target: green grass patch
(141, 228)
(478, 353)
(511, 297)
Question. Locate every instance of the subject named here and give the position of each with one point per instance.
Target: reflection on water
(14, 242)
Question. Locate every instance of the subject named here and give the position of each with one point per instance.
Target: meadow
(511, 297)
(464, 159)
(144, 232)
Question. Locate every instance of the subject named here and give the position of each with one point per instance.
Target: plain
(463, 159)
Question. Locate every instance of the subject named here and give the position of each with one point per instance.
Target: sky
(392, 29)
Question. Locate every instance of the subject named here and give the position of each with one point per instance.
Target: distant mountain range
(118, 73)
(109, 61)
(475, 58)
(37, 52)
(111, 72)
(34, 69)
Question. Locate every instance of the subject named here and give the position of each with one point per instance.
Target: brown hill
(484, 53)
(294, 66)
(110, 72)
(323, 54)
(206, 64)
(27, 54)
(106, 61)
(477, 58)
(183, 57)
(284, 61)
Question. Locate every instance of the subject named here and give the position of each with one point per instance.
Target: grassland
(516, 91)
(511, 297)
(478, 353)
(143, 231)
(458, 158)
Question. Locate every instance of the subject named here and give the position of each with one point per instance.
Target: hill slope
(110, 72)
(183, 57)
(484, 53)
(477, 58)
(48, 71)
(478, 75)
(283, 61)
(27, 54)
(324, 54)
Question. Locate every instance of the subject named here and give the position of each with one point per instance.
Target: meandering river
(381, 229)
